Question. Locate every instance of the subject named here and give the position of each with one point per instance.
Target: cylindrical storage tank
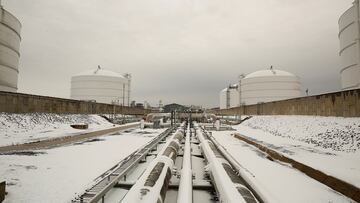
(349, 48)
(233, 96)
(101, 86)
(229, 97)
(269, 85)
(10, 39)
(223, 100)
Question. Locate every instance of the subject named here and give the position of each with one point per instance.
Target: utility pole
(123, 96)
(114, 112)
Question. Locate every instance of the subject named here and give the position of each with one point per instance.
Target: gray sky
(182, 51)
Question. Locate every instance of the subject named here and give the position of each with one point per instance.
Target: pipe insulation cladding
(185, 187)
(10, 39)
(153, 183)
(229, 186)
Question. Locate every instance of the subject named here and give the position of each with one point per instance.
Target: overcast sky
(182, 51)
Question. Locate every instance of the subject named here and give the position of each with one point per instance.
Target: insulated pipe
(152, 185)
(264, 195)
(228, 190)
(185, 187)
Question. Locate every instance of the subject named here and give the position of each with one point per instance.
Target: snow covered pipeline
(229, 186)
(185, 188)
(152, 185)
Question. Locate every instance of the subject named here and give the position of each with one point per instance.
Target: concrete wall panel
(343, 103)
(26, 103)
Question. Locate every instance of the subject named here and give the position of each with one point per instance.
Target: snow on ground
(289, 134)
(22, 128)
(335, 133)
(278, 182)
(59, 174)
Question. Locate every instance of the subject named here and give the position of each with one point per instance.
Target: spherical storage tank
(9, 50)
(269, 85)
(102, 86)
(350, 47)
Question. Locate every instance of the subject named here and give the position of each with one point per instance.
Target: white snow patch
(335, 133)
(289, 135)
(60, 174)
(22, 128)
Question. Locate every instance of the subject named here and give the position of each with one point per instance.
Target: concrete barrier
(25, 103)
(343, 103)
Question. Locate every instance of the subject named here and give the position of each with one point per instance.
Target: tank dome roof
(269, 73)
(224, 90)
(100, 72)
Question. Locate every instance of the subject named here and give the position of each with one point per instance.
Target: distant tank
(229, 97)
(10, 39)
(269, 85)
(101, 86)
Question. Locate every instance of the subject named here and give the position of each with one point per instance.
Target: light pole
(241, 76)
(116, 103)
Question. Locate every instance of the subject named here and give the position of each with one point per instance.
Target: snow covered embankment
(335, 133)
(21, 128)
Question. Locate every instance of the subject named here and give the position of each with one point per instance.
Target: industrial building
(261, 86)
(349, 36)
(102, 86)
(10, 39)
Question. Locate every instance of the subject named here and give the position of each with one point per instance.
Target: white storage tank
(229, 97)
(269, 85)
(10, 38)
(223, 100)
(101, 86)
(350, 47)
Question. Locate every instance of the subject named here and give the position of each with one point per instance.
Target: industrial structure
(183, 164)
(102, 86)
(349, 36)
(229, 97)
(10, 39)
(269, 85)
(259, 87)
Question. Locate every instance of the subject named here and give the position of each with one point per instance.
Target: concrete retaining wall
(26, 103)
(343, 103)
